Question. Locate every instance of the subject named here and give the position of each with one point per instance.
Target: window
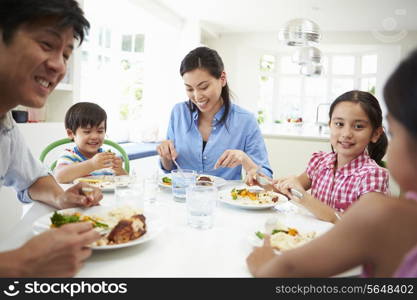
(112, 68)
(285, 95)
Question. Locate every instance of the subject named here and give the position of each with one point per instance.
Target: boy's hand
(117, 166)
(103, 160)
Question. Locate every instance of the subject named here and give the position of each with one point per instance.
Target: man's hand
(57, 252)
(75, 196)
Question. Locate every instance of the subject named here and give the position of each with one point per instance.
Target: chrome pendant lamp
(311, 70)
(306, 55)
(300, 32)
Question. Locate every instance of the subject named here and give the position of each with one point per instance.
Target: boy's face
(88, 139)
(33, 62)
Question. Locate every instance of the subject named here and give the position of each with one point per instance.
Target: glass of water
(130, 195)
(201, 201)
(181, 180)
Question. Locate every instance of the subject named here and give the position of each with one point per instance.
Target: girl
(350, 172)
(208, 133)
(375, 232)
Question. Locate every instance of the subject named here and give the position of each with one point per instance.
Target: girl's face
(88, 139)
(402, 161)
(204, 90)
(351, 130)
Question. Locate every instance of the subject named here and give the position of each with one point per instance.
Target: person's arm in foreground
(55, 253)
(48, 191)
(355, 240)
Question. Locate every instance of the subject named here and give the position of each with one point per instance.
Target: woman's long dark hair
(400, 94)
(371, 107)
(209, 60)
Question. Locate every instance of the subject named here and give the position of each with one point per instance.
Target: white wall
(241, 53)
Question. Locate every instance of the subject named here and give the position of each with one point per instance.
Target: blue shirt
(240, 132)
(18, 167)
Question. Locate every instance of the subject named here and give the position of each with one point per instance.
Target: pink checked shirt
(341, 188)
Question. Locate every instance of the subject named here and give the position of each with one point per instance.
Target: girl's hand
(166, 150)
(284, 185)
(260, 256)
(251, 179)
(102, 160)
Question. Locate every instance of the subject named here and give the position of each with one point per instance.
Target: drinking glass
(181, 180)
(201, 201)
(131, 195)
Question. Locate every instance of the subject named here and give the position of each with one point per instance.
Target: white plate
(218, 181)
(303, 224)
(107, 182)
(154, 225)
(226, 197)
(162, 184)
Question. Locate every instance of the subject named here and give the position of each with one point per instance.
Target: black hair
(371, 107)
(400, 94)
(14, 13)
(84, 114)
(209, 60)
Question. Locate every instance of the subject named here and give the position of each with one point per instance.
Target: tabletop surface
(179, 250)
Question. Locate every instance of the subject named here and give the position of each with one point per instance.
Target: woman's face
(204, 90)
(402, 159)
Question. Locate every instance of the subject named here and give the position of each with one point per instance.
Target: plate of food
(119, 226)
(106, 183)
(251, 198)
(166, 181)
(289, 231)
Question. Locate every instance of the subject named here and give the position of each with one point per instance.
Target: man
(36, 40)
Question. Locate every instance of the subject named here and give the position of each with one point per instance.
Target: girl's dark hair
(370, 106)
(14, 13)
(400, 94)
(84, 114)
(209, 60)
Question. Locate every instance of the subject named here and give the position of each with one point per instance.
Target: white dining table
(178, 250)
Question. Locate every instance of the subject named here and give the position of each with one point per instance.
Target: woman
(208, 133)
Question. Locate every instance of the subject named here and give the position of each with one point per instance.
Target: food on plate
(204, 178)
(245, 196)
(57, 220)
(118, 226)
(105, 181)
(166, 180)
(285, 238)
(87, 191)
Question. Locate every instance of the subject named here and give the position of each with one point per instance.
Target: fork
(179, 169)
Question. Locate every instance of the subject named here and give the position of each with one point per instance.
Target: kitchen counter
(294, 131)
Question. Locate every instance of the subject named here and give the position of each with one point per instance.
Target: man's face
(34, 62)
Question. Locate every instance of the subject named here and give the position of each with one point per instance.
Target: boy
(86, 125)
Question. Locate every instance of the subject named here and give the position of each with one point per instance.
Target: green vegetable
(278, 230)
(166, 180)
(260, 235)
(58, 220)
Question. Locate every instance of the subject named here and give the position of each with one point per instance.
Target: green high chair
(64, 141)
